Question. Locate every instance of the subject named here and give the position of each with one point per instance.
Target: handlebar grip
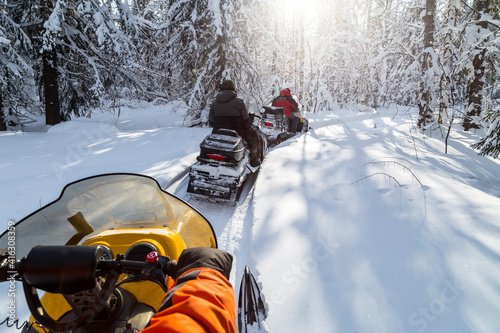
(62, 269)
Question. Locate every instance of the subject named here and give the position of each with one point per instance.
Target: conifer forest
(65, 58)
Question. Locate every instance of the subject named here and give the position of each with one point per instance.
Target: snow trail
(232, 224)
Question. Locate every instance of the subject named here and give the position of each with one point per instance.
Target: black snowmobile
(223, 166)
(275, 124)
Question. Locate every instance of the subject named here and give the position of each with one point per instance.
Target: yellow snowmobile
(104, 248)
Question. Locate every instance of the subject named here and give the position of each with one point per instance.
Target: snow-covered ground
(360, 225)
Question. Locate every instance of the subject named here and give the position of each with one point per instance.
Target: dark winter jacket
(229, 111)
(286, 101)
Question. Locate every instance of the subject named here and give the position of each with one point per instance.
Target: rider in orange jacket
(200, 297)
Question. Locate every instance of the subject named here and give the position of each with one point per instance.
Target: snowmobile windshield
(114, 201)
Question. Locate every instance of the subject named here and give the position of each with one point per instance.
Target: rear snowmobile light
(269, 124)
(216, 157)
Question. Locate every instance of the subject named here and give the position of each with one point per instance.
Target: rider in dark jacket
(229, 111)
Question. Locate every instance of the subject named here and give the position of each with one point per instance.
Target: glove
(200, 257)
(199, 300)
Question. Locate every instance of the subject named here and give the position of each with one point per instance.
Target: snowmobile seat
(228, 132)
(273, 110)
(224, 143)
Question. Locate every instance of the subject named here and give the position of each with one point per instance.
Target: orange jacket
(200, 300)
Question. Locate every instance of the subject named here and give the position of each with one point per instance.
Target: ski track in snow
(232, 224)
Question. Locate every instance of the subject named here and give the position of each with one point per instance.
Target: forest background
(64, 58)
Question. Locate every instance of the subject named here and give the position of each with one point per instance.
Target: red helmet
(286, 92)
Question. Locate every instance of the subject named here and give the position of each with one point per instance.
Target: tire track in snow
(235, 228)
(232, 224)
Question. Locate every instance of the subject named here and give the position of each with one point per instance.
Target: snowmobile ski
(251, 309)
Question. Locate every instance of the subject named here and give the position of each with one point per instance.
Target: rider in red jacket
(289, 105)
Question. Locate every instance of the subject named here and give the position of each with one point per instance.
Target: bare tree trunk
(51, 87)
(476, 85)
(425, 112)
(475, 92)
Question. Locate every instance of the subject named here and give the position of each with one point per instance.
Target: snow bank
(359, 229)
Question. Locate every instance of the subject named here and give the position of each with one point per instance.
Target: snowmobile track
(232, 224)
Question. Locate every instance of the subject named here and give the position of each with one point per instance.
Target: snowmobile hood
(285, 92)
(225, 96)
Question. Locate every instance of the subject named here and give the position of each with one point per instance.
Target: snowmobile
(303, 126)
(275, 124)
(101, 252)
(223, 166)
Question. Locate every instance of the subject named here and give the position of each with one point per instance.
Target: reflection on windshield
(116, 201)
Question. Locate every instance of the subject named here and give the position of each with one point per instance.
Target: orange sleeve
(201, 300)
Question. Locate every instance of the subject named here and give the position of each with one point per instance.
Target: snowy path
(232, 224)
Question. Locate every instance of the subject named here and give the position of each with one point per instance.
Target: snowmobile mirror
(62, 269)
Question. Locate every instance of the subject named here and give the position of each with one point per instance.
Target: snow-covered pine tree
(151, 56)
(490, 144)
(16, 74)
(93, 46)
(479, 33)
(98, 46)
(261, 32)
(446, 48)
(204, 49)
(257, 42)
(51, 15)
(400, 49)
(376, 76)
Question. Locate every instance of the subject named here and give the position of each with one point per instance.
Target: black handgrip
(62, 269)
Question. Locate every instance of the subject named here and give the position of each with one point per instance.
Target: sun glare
(296, 9)
(300, 14)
